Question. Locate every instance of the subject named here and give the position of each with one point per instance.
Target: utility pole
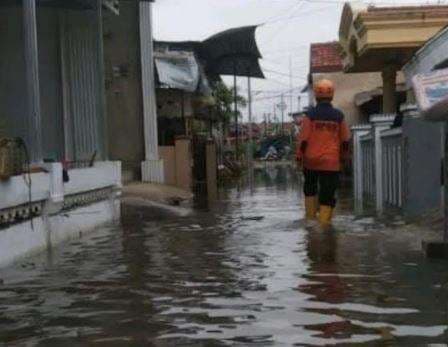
(269, 123)
(250, 149)
(282, 106)
(290, 86)
(235, 96)
(249, 104)
(275, 117)
(265, 124)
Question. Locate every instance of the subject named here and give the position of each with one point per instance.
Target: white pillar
(379, 123)
(358, 131)
(55, 201)
(152, 167)
(32, 80)
(101, 76)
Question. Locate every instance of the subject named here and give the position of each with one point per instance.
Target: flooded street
(243, 271)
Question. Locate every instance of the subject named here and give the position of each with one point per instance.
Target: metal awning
(231, 52)
(364, 97)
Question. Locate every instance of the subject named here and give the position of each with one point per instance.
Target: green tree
(225, 102)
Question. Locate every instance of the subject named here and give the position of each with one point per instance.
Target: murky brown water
(223, 277)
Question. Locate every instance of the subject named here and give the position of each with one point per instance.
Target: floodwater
(244, 271)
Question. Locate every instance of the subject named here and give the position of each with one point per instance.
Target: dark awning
(233, 52)
(230, 52)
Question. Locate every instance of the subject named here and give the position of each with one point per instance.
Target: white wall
(347, 85)
(56, 225)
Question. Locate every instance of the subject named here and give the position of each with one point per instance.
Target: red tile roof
(325, 57)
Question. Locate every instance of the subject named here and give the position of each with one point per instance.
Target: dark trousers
(322, 183)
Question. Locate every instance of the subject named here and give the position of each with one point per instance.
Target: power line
(286, 50)
(281, 63)
(270, 91)
(284, 74)
(297, 7)
(292, 17)
(276, 81)
(274, 19)
(275, 91)
(277, 95)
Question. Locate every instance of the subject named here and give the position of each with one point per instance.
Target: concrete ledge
(15, 191)
(103, 174)
(156, 192)
(20, 240)
(68, 209)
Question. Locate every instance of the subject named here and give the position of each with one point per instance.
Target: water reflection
(240, 271)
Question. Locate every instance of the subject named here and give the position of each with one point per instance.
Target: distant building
(398, 155)
(383, 39)
(326, 62)
(425, 187)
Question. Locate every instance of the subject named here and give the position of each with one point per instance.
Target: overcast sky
(289, 26)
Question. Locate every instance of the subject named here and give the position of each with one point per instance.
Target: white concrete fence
(36, 216)
(378, 164)
(392, 167)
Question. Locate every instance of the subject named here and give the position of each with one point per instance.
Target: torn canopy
(181, 70)
(233, 52)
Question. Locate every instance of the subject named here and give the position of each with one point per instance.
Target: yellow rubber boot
(311, 206)
(325, 216)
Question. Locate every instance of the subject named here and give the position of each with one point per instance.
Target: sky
(287, 29)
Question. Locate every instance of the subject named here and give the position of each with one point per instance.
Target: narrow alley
(223, 173)
(244, 271)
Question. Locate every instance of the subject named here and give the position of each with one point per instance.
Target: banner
(431, 91)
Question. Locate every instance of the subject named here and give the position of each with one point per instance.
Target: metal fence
(368, 166)
(392, 167)
(81, 74)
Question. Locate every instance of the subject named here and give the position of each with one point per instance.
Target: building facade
(130, 91)
(326, 62)
(52, 109)
(398, 155)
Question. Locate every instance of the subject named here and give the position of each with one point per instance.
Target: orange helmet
(324, 89)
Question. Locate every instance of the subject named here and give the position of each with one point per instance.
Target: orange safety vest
(320, 142)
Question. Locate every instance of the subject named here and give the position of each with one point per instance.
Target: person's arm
(302, 141)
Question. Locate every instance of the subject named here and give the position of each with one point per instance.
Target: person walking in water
(322, 144)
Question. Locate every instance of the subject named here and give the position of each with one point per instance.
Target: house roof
(392, 11)
(325, 57)
(372, 37)
(364, 97)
